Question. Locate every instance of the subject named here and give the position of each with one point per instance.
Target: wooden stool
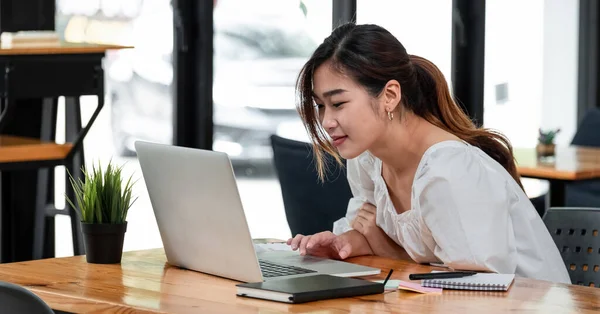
(41, 73)
(18, 153)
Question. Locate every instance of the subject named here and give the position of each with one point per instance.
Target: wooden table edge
(63, 302)
(58, 49)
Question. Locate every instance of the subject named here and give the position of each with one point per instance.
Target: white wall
(559, 96)
(424, 27)
(532, 45)
(513, 55)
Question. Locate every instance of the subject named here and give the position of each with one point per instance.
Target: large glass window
(260, 47)
(513, 69)
(513, 74)
(531, 71)
(137, 102)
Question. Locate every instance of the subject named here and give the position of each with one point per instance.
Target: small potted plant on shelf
(102, 205)
(546, 146)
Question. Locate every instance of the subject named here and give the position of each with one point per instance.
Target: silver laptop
(202, 223)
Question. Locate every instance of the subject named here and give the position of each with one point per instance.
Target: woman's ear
(392, 95)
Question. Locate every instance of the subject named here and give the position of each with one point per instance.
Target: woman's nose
(329, 124)
(329, 121)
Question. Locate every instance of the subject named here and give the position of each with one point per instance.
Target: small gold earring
(390, 115)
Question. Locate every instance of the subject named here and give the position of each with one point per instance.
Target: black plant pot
(103, 242)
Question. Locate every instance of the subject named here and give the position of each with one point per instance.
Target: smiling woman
(426, 182)
(391, 76)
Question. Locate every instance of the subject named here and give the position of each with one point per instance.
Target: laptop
(202, 224)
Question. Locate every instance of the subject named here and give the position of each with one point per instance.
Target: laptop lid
(198, 210)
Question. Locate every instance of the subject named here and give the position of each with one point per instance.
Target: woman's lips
(338, 140)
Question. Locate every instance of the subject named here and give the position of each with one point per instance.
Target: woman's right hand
(326, 244)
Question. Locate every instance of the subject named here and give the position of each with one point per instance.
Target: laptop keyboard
(270, 269)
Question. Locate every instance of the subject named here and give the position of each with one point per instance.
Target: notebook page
(481, 281)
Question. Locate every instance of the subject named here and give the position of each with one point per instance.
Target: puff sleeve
(465, 205)
(362, 187)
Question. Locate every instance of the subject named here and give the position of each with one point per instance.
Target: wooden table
(58, 47)
(33, 76)
(571, 163)
(144, 283)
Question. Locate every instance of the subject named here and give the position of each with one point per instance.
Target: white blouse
(466, 212)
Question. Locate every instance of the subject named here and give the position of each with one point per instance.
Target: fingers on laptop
(295, 242)
(303, 244)
(314, 241)
(319, 241)
(344, 248)
(307, 244)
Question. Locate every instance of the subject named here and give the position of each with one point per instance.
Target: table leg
(44, 236)
(73, 129)
(557, 193)
(6, 113)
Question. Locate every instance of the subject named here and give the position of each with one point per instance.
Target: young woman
(428, 185)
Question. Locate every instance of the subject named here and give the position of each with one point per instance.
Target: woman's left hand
(365, 221)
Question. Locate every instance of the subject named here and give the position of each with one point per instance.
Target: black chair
(576, 234)
(587, 131)
(16, 299)
(540, 203)
(310, 205)
(584, 193)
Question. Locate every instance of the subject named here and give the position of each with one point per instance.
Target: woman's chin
(348, 153)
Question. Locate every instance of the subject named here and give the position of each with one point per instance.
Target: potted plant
(546, 146)
(102, 206)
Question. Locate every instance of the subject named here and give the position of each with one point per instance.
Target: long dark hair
(373, 56)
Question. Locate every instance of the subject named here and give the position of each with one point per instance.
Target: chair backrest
(588, 131)
(310, 205)
(16, 299)
(585, 193)
(576, 232)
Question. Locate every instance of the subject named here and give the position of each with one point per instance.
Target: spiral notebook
(481, 281)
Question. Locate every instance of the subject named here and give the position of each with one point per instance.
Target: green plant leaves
(101, 197)
(547, 137)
